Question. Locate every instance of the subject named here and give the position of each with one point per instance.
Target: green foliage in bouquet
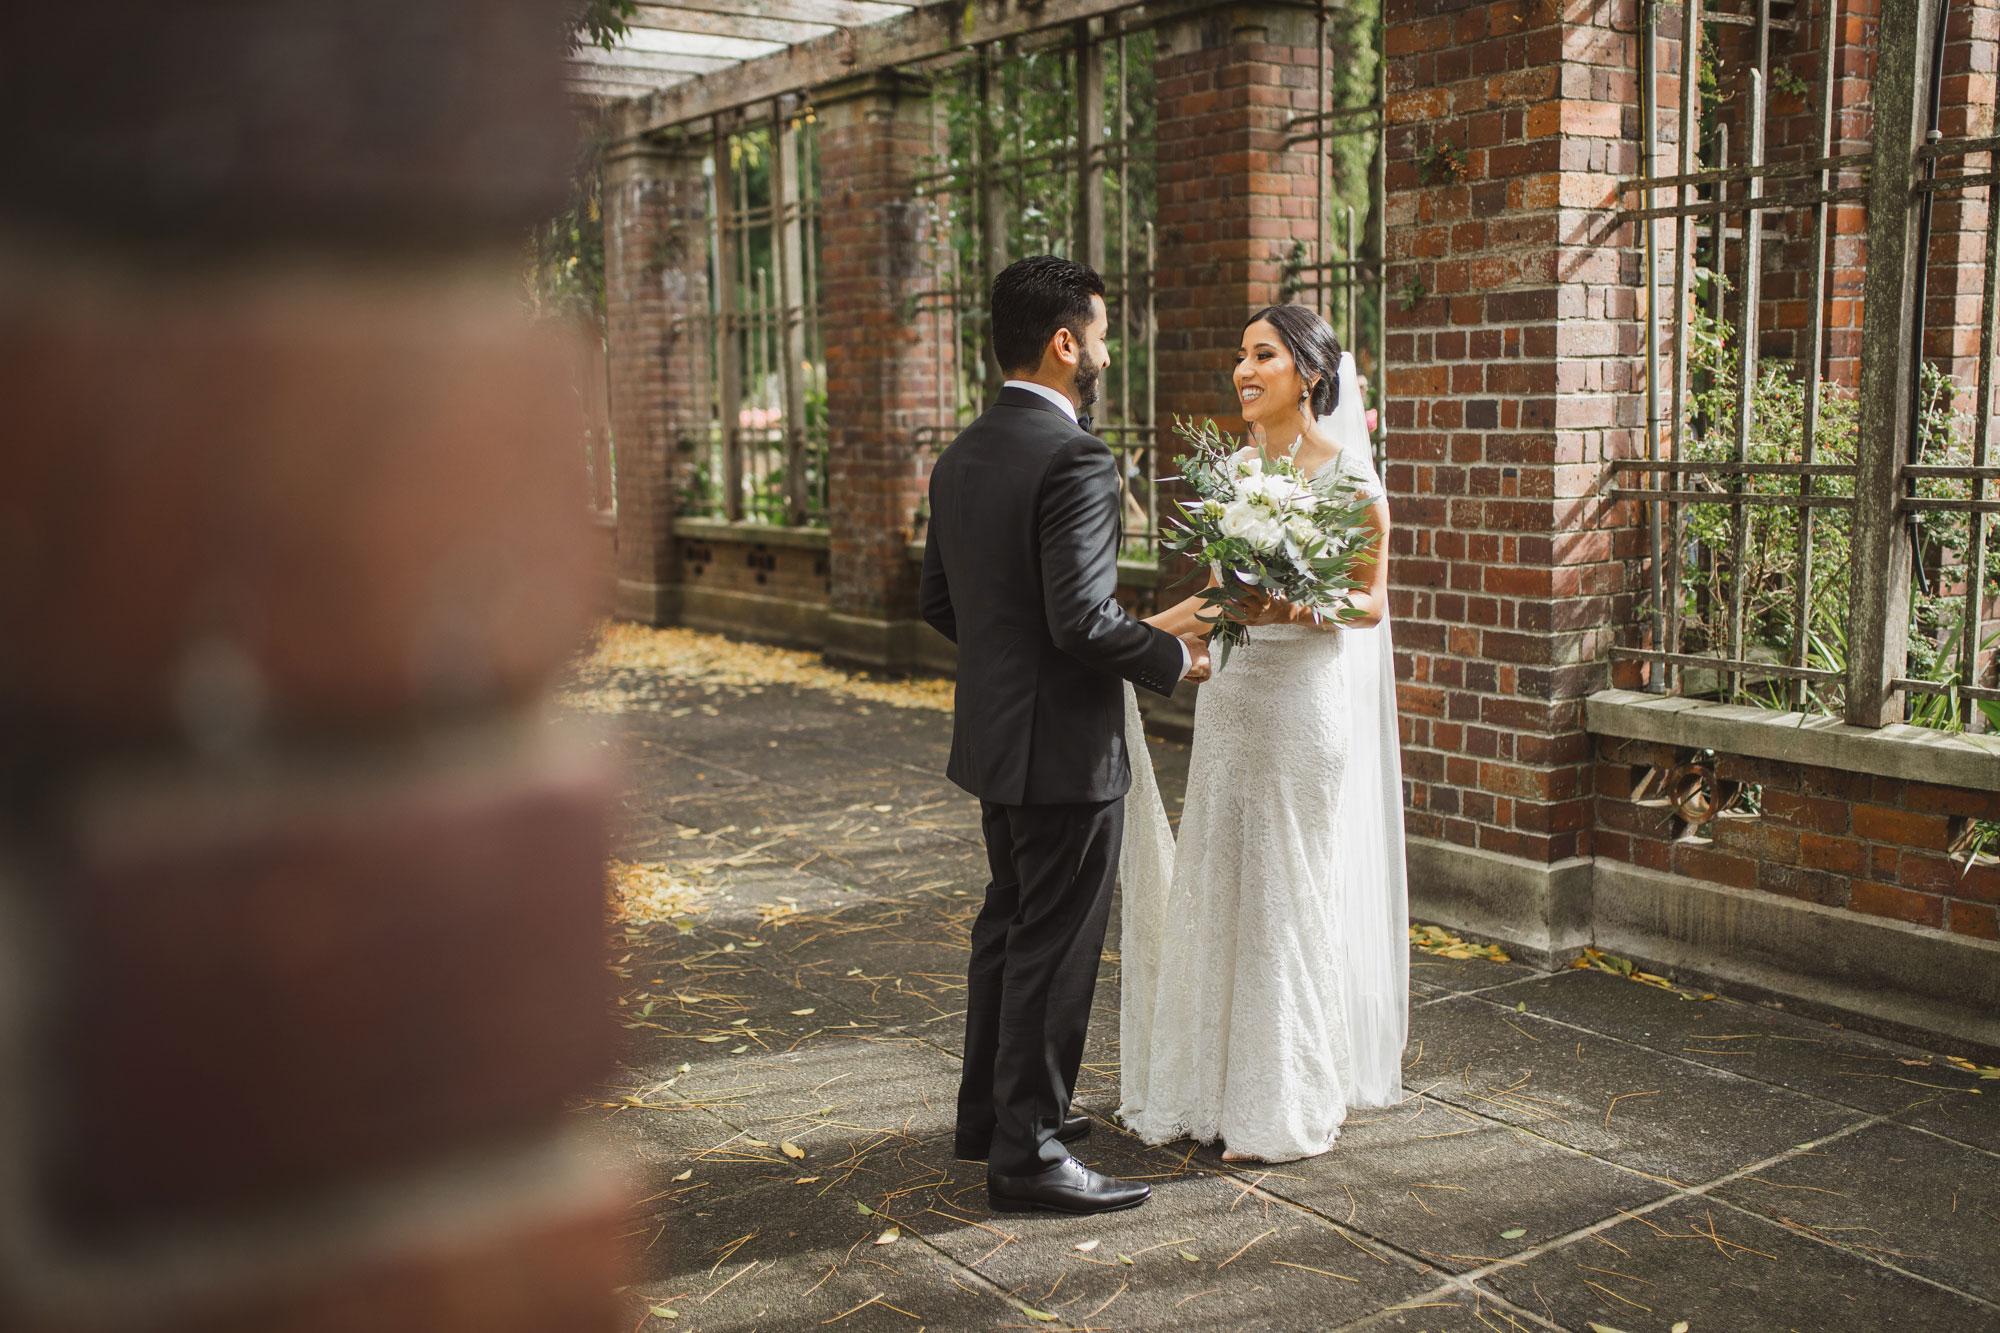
(1268, 529)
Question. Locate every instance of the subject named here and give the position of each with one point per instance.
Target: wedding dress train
(1264, 961)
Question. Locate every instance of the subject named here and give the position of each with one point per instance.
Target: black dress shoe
(1074, 1129)
(1067, 1187)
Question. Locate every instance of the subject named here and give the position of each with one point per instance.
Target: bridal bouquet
(1264, 527)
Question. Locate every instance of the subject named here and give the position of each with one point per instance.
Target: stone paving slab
(1921, 1203)
(1643, 1109)
(1718, 1268)
(1606, 1122)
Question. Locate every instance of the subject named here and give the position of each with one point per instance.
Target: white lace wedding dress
(1265, 962)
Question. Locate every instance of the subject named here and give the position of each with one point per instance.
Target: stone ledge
(1914, 754)
(750, 534)
(1541, 912)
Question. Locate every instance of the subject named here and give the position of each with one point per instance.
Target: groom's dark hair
(1034, 297)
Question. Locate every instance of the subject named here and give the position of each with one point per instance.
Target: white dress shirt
(1069, 410)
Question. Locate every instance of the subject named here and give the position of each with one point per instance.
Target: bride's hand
(1264, 609)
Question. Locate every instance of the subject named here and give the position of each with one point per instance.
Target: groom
(1020, 568)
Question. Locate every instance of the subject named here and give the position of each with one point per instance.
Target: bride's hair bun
(1315, 351)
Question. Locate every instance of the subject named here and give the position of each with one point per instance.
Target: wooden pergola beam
(665, 62)
(922, 34)
(677, 18)
(822, 13)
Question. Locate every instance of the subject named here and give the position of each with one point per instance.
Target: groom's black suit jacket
(1020, 568)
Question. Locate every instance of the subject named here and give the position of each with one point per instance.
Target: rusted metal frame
(1121, 127)
(1689, 131)
(728, 357)
(1918, 472)
(1968, 693)
(1815, 339)
(1947, 184)
(1926, 504)
(1090, 239)
(1879, 590)
(1738, 469)
(1751, 285)
(992, 194)
(1326, 135)
(1958, 147)
(787, 245)
(1718, 663)
(1322, 160)
(1760, 19)
(1350, 286)
(1735, 500)
(1649, 114)
(1972, 628)
(1770, 203)
(1770, 171)
(1381, 196)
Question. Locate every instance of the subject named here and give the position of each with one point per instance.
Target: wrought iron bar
(1689, 131)
(1728, 664)
(1815, 340)
(1649, 114)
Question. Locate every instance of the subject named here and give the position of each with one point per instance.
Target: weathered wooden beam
(612, 92)
(785, 32)
(922, 34)
(664, 62)
(830, 13)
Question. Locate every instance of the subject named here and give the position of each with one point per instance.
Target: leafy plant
(600, 23)
(1442, 162)
(1706, 540)
(1413, 291)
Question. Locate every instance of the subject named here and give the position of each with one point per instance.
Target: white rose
(1266, 533)
(1238, 519)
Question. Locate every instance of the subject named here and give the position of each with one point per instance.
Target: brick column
(885, 364)
(1513, 382)
(657, 326)
(301, 898)
(1957, 276)
(1233, 199)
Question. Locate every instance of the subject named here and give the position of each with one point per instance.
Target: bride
(1265, 959)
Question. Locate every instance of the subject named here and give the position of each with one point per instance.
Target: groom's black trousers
(1035, 951)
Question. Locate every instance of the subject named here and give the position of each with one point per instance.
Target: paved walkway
(1576, 1150)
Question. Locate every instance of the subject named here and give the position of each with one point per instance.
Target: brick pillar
(301, 899)
(1233, 199)
(1513, 382)
(657, 327)
(1957, 277)
(886, 361)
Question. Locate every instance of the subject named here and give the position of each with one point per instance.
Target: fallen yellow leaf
(685, 1175)
(890, 1237)
(792, 1150)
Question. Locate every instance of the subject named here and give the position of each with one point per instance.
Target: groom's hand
(1198, 668)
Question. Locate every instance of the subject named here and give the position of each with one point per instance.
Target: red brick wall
(301, 903)
(886, 361)
(1233, 199)
(657, 333)
(1873, 845)
(1513, 381)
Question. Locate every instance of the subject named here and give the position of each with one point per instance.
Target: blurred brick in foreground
(301, 900)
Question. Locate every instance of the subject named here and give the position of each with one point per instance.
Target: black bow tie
(1083, 420)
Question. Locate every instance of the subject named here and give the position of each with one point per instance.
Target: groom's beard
(1085, 384)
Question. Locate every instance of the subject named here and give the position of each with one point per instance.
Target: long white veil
(1371, 878)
